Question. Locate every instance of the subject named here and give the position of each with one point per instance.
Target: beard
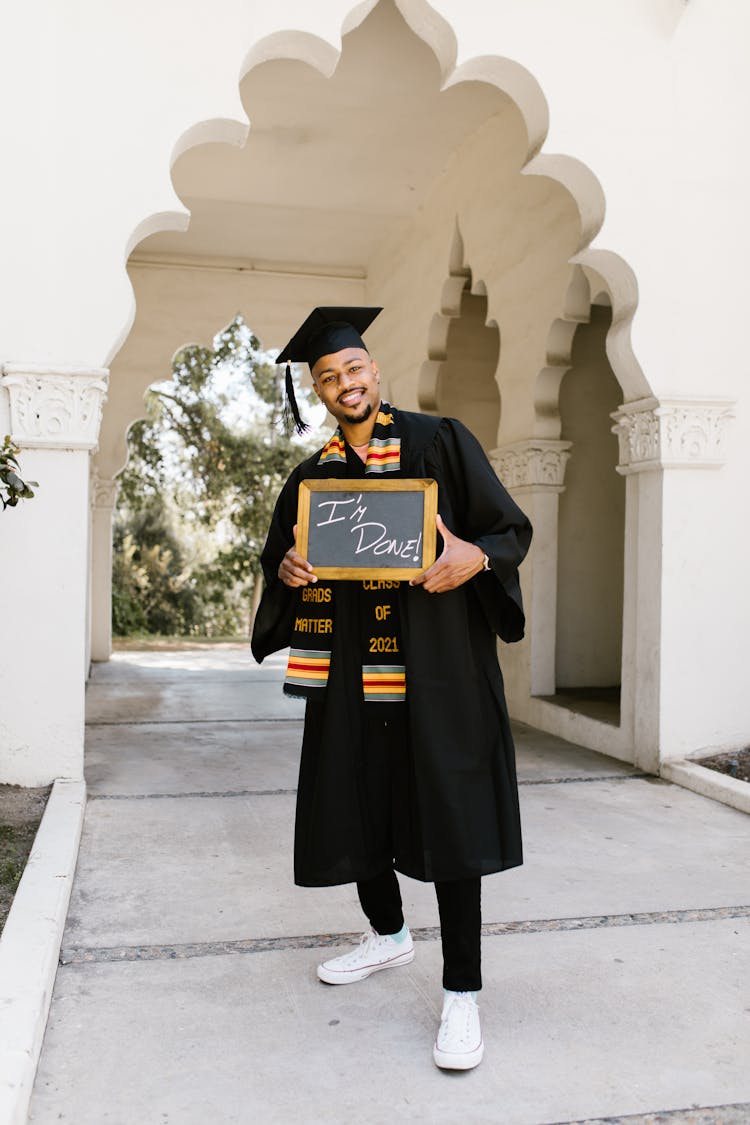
(361, 417)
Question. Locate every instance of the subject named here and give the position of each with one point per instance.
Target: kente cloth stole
(383, 451)
(383, 671)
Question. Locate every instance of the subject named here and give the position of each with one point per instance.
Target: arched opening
(466, 380)
(196, 497)
(591, 531)
(459, 379)
(299, 216)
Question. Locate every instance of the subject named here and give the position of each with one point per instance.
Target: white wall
(42, 655)
(706, 608)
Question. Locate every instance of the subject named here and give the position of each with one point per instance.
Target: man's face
(348, 384)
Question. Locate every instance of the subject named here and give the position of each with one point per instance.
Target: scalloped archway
(458, 378)
(304, 62)
(299, 209)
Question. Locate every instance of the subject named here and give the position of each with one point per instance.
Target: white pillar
(533, 471)
(659, 440)
(103, 500)
(54, 419)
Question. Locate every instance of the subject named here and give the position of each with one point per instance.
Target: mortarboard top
(326, 330)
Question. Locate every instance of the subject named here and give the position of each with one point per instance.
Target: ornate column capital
(672, 433)
(534, 463)
(103, 492)
(55, 408)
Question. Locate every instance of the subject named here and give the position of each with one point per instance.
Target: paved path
(616, 959)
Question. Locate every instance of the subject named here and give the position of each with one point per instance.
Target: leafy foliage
(12, 487)
(196, 498)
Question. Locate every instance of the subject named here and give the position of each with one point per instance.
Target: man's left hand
(458, 562)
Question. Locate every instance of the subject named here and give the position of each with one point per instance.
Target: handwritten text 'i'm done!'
(372, 535)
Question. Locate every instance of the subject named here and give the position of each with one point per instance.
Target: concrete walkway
(616, 960)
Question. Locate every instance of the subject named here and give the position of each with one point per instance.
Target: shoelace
(459, 1035)
(367, 937)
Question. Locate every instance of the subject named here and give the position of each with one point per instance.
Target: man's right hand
(293, 569)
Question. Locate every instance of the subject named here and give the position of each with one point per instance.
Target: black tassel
(291, 404)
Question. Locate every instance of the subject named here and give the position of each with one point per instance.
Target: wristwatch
(486, 562)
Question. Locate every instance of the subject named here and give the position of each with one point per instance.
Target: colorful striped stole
(384, 683)
(383, 451)
(309, 664)
(308, 667)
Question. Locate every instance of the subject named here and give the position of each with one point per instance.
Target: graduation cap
(326, 330)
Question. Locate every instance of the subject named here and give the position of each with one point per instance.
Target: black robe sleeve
(272, 628)
(485, 514)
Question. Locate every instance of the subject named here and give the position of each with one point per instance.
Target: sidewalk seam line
(286, 792)
(697, 1115)
(188, 722)
(83, 955)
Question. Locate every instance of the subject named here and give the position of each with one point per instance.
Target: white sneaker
(459, 1044)
(374, 952)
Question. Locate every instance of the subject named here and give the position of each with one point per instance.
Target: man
(419, 776)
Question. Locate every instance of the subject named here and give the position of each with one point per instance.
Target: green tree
(205, 467)
(152, 591)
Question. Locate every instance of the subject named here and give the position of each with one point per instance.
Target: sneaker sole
(337, 976)
(446, 1060)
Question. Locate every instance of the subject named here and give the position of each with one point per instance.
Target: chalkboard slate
(367, 528)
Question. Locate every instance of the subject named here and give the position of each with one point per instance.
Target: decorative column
(533, 471)
(103, 501)
(55, 414)
(659, 439)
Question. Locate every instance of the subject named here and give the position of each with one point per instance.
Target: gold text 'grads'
(326, 330)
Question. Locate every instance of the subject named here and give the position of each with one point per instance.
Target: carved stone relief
(103, 492)
(56, 409)
(672, 433)
(534, 463)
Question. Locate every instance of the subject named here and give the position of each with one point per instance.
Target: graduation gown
(460, 802)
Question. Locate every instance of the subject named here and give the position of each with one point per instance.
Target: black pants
(459, 905)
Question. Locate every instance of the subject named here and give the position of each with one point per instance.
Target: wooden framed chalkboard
(367, 528)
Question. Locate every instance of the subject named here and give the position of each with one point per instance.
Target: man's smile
(352, 396)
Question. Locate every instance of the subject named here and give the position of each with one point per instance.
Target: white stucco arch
(447, 386)
(459, 282)
(559, 193)
(505, 75)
